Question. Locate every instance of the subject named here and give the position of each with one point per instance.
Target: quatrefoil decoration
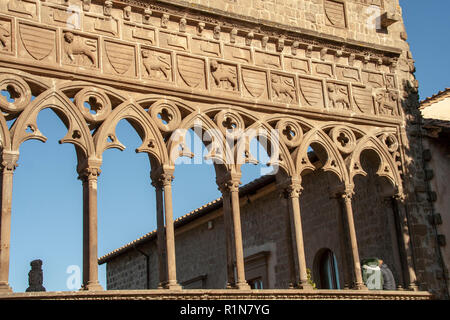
(344, 139)
(391, 142)
(94, 104)
(230, 123)
(15, 94)
(166, 115)
(290, 133)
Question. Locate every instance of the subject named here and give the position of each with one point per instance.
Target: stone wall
(350, 19)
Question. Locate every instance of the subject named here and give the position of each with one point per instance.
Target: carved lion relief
(79, 50)
(224, 76)
(283, 89)
(5, 36)
(338, 97)
(157, 65)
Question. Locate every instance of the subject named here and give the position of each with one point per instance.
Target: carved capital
(165, 179)
(400, 197)
(89, 173)
(9, 162)
(294, 190)
(348, 193)
(229, 186)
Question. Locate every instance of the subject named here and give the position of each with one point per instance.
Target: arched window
(327, 270)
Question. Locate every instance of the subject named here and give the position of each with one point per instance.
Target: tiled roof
(195, 214)
(435, 98)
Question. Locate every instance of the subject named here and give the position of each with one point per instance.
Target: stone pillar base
(5, 288)
(242, 286)
(413, 287)
(304, 286)
(92, 287)
(360, 286)
(172, 286)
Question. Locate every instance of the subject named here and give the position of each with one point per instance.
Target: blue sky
(47, 197)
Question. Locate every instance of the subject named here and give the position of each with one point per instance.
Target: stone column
(160, 235)
(294, 190)
(166, 181)
(233, 186)
(89, 175)
(7, 167)
(405, 238)
(227, 217)
(347, 196)
(290, 239)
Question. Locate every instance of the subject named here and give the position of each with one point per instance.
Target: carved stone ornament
(338, 97)
(344, 139)
(283, 89)
(290, 132)
(166, 115)
(156, 66)
(230, 123)
(165, 21)
(225, 77)
(18, 94)
(94, 104)
(79, 50)
(127, 13)
(390, 141)
(35, 277)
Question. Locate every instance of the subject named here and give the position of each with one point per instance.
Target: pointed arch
(278, 152)
(219, 150)
(152, 140)
(387, 167)
(25, 127)
(335, 163)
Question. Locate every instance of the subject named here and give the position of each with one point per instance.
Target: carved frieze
(120, 59)
(267, 60)
(373, 79)
(206, 47)
(338, 96)
(224, 76)
(37, 42)
(174, 41)
(237, 54)
(157, 64)
(255, 83)
(79, 50)
(189, 51)
(363, 99)
(311, 92)
(21, 8)
(191, 71)
(140, 34)
(297, 65)
(323, 69)
(6, 36)
(283, 88)
(348, 74)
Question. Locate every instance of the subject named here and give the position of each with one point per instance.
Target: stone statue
(35, 277)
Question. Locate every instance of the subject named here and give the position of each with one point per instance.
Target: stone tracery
(158, 112)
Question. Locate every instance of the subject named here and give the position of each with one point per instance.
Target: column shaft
(406, 244)
(7, 172)
(89, 177)
(302, 276)
(359, 284)
(231, 281)
(170, 234)
(161, 237)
